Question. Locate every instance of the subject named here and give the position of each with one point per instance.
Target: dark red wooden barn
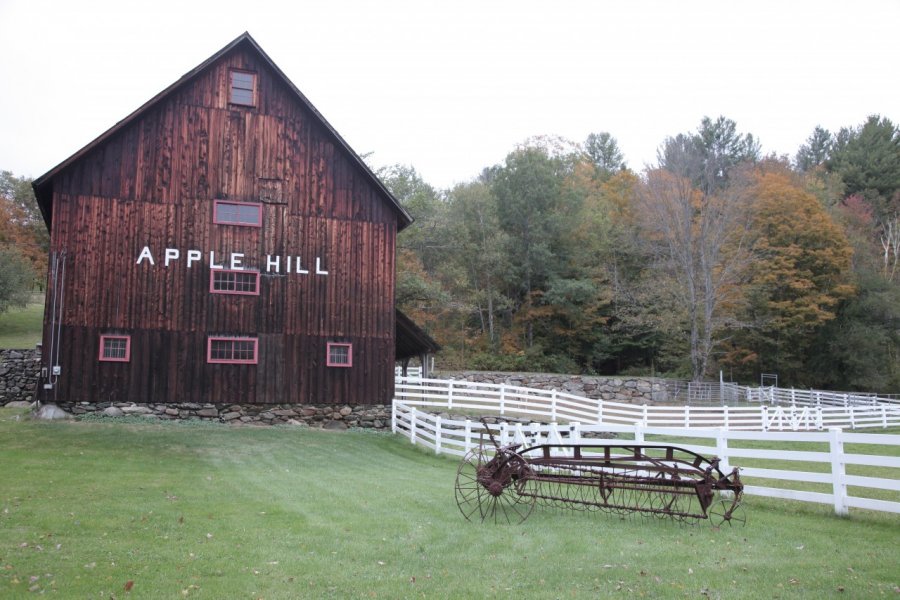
(222, 244)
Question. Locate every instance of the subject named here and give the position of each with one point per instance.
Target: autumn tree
(799, 275)
(22, 228)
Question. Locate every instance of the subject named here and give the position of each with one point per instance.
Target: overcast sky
(451, 87)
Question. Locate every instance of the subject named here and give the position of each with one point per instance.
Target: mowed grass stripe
(216, 512)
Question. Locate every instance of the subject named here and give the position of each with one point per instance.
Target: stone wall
(321, 416)
(630, 390)
(19, 370)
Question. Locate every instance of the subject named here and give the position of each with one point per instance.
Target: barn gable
(220, 244)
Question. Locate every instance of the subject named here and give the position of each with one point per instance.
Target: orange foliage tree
(800, 273)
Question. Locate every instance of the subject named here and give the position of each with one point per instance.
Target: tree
(21, 224)
(799, 275)
(698, 238)
(15, 279)
(479, 247)
(531, 209)
(868, 160)
(707, 156)
(816, 151)
(603, 152)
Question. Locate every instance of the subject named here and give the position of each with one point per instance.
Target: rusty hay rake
(502, 484)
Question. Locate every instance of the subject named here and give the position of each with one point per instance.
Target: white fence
(555, 406)
(456, 437)
(411, 372)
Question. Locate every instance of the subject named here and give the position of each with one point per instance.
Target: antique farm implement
(503, 483)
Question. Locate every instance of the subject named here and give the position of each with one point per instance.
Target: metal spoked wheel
(486, 490)
(727, 511)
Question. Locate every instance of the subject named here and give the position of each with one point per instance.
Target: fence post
(438, 432)
(687, 416)
(504, 434)
(838, 471)
(599, 411)
(883, 416)
(644, 414)
(852, 419)
(393, 417)
(722, 450)
(639, 432)
(793, 398)
(450, 395)
(467, 443)
(553, 405)
(725, 415)
(412, 424)
(575, 433)
(764, 415)
(819, 424)
(502, 397)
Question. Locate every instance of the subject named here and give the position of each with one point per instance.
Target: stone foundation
(320, 416)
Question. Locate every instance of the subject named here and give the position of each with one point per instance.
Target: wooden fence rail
(840, 471)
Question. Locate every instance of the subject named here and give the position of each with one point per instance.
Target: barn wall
(153, 184)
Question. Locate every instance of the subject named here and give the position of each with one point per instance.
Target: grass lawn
(20, 328)
(208, 511)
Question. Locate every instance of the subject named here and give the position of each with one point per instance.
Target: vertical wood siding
(153, 184)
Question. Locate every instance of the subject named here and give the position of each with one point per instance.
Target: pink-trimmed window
(224, 281)
(248, 214)
(339, 354)
(115, 348)
(232, 350)
(242, 89)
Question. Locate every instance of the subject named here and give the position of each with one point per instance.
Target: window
(232, 350)
(237, 213)
(223, 281)
(340, 355)
(115, 348)
(243, 88)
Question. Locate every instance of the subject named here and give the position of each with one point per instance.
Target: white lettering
(300, 269)
(236, 261)
(212, 261)
(273, 263)
(288, 270)
(319, 270)
(145, 253)
(171, 254)
(192, 257)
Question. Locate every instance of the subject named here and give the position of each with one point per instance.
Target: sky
(452, 87)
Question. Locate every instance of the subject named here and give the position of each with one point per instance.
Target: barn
(222, 244)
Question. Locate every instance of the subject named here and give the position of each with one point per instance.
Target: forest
(717, 258)
(562, 259)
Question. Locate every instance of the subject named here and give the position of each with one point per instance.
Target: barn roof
(410, 340)
(43, 185)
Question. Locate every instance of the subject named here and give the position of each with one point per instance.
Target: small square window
(243, 88)
(115, 348)
(232, 350)
(224, 281)
(339, 354)
(237, 213)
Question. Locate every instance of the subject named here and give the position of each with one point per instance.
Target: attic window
(237, 213)
(243, 88)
